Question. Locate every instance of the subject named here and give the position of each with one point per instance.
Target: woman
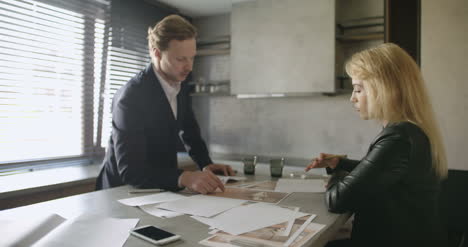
(393, 190)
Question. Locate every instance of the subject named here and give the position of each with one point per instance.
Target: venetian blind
(52, 60)
(128, 49)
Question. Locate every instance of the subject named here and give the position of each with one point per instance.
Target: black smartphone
(154, 235)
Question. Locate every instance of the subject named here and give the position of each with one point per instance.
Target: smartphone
(154, 235)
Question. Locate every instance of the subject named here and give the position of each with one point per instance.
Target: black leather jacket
(392, 191)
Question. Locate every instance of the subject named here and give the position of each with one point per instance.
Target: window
(52, 58)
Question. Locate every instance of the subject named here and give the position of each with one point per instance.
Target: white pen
(145, 191)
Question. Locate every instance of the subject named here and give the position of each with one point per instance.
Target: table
(104, 203)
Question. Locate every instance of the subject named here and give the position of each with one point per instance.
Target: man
(151, 112)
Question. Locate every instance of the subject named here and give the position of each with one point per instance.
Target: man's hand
(220, 169)
(202, 182)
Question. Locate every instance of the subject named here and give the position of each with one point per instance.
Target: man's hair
(172, 27)
(396, 92)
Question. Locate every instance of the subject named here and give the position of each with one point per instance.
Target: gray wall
(302, 127)
(297, 127)
(444, 54)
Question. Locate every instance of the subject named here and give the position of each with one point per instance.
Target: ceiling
(200, 8)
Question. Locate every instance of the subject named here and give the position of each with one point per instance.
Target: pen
(145, 191)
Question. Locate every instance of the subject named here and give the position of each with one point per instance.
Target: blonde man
(393, 190)
(152, 112)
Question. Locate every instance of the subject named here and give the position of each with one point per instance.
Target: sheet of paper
(89, 232)
(25, 232)
(251, 195)
(231, 178)
(300, 185)
(298, 232)
(288, 229)
(162, 213)
(201, 205)
(151, 199)
(250, 217)
(268, 236)
(263, 185)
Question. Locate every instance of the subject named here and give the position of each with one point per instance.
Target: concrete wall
(302, 127)
(444, 54)
(297, 127)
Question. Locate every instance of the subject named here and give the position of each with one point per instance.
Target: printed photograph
(251, 195)
(270, 236)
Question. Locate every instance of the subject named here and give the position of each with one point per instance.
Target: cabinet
(403, 25)
(216, 45)
(211, 67)
(360, 24)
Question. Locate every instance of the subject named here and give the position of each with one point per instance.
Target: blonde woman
(393, 190)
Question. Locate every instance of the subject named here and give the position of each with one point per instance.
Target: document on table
(54, 230)
(162, 213)
(89, 232)
(251, 217)
(300, 185)
(201, 205)
(25, 232)
(226, 179)
(268, 236)
(151, 199)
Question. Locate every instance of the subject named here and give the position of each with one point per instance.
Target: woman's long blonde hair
(396, 92)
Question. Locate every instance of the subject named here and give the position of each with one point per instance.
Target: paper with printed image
(268, 236)
(250, 217)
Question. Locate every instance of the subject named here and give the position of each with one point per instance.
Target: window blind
(128, 49)
(52, 59)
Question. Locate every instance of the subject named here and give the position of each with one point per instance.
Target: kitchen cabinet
(218, 45)
(359, 25)
(283, 47)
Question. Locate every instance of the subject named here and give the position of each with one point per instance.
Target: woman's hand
(325, 160)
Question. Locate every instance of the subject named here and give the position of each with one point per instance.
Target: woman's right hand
(324, 160)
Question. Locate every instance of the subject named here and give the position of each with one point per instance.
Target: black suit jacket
(393, 191)
(142, 149)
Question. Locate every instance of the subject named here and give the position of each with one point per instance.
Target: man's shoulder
(138, 82)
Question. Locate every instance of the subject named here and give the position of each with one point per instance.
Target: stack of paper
(268, 236)
(250, 217)
(260, 224)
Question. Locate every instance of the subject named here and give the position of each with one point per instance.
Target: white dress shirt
(170, 90)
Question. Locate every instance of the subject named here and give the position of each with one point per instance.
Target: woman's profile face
(359, 99)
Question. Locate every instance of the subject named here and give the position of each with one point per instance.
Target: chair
(454, 208)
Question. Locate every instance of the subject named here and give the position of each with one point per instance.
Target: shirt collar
(167, 87)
